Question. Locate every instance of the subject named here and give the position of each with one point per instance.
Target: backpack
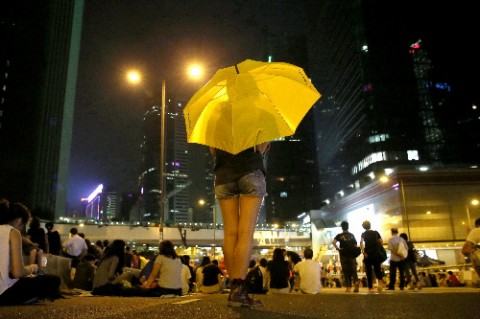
(254, 281)
(349, 246)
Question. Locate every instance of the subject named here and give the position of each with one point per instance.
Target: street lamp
(134, 77)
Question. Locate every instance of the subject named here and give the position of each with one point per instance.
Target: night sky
(160, 38)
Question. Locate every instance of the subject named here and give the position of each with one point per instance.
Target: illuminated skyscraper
(176, 164)
(387, 96)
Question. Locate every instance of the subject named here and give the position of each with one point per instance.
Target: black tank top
(230, 168)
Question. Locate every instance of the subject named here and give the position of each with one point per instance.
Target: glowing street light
(134, 77)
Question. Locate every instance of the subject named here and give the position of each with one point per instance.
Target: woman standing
(18, 283)
(411, 265)
(240, 188)
(370, 243)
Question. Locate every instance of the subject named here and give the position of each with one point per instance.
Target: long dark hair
(117, 248)
(11, 211)
(166, 249)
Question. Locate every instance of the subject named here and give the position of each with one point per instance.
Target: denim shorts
(252, 184)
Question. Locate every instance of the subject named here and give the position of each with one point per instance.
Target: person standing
(308, 272)
(472, 244)
(54, 241)
(369, 244)
(411, 265)
(397, 262)
(75, 247)
(240, 189)
(347, 259)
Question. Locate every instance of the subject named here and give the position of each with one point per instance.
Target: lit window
(413, 155)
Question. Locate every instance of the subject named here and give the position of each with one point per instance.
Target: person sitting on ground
(186, 261)
(308, 272)
(262, 265)
(186, 276)
(278, 273)
(452, 280)
(110, 269)
(85, 273)
(293, 258)
(30, 249)
(19, 283)
(212, 278)
(199, 272)
(166, 276)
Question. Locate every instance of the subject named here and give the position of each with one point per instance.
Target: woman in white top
(19, 284)
(166, 276)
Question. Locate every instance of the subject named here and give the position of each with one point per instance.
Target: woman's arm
(17, 269)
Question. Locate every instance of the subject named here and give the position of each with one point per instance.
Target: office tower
(386, 99)
(38, 62)
(292, 179)
(176, 164)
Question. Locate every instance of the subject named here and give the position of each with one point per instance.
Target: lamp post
(194, 71)
(163, 190)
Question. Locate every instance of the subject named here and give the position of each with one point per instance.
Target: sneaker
(356, 288)
(419, 285)
(348, 290)
(239, 298)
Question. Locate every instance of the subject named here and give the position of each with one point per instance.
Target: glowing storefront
(434, 207)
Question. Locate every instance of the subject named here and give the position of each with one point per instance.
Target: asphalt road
(332, 303)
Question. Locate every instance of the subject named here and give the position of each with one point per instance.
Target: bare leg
(230, 211)
(239, 217)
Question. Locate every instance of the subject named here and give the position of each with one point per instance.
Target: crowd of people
(106, 268)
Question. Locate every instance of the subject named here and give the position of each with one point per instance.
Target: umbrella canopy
(249, 103)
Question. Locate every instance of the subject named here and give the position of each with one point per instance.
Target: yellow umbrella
(249, 103)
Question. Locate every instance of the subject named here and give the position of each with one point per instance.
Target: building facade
(436, 208)
(38, 62)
